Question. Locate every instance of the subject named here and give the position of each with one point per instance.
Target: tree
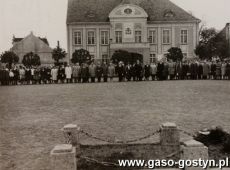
(206, 47)
(58, 54)
(81, 56)
(9, 57)
(175, 54)
(126, 57)
(31, 59)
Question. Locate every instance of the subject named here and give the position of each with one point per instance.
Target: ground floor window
(152, 58)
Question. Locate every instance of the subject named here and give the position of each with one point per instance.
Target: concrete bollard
(63, 157)
(169, 134)
(71, 134)
(194, 150)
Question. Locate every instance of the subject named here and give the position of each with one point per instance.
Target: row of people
(136, 72)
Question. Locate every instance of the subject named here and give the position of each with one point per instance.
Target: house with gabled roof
(147, 27)
(32, 43)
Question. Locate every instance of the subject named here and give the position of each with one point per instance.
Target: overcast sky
(46, 18)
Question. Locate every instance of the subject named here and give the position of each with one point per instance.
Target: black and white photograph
(114, 84)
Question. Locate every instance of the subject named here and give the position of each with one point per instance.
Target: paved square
(32, 116)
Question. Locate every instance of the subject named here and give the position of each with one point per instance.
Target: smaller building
(32, 43)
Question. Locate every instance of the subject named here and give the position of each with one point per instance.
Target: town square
(91, 83)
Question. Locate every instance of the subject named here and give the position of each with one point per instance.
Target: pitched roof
(98, 10)
(15, 40)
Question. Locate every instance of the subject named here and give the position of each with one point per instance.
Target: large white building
(147, 27)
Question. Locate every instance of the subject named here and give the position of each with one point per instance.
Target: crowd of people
(85, 73)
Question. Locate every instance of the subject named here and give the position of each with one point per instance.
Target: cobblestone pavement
(31, 116)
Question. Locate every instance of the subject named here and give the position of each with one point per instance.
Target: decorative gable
(128, 10)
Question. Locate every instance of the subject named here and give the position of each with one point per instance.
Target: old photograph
(114, 84)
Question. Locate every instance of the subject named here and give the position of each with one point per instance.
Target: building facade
(147, 27)
(37, 45)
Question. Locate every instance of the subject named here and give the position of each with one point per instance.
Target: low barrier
(74, 154)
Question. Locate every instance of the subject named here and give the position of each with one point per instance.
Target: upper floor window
(91, 37)
(184, 37)
(104, 37)
(166, 36)
(152, 36)
(77, 38)
(118, 35)
(138, 36)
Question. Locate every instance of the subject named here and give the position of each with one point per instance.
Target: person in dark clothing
(200, 71)
(160, 69)
(133, 72)
(105, 71)
(99, 72)
(120, 71)
(139, 71)
(27, 75)
(61, 74)
(165, 71)
(147, 71)
(85, 73)
(128, 72)
(213, 70)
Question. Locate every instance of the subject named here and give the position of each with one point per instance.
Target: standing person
(178, 70)
(22, 75)
(111, 71)
(48, 74)
(165, 71)
(213, 70)
(54, 75)
(153, 71)
(128, 72)
(206, 70)
(68, 73)
(92, 72)
(99, 72)
(147, 72)
(27, 75)
(171, 69)
(85, 73)
(16, 75)
(133, 72)
(218, 70)
(228, 70)
(200, 71)
(105, 71)
(160, 69)
(223, 70)
(43, 75)
(76, 69)
(120, 71)
(32, 74)
(11, 75)
(61, 74)
(139, 70)
(37, 75)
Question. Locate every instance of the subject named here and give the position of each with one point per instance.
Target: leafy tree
(81, 56)
(126, 57)
(175, 54)
(31, 59)
(206, 47)
(9, 57)
(58, 54)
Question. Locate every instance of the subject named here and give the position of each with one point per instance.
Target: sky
(47, 18)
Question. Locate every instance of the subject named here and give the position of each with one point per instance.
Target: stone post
(170, 141)
(63, 157)
(71, 134)
(194, 150)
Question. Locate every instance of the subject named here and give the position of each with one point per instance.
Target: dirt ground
(31, 116)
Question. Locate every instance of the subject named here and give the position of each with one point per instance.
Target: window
(104, 37)
(152, 37)
(166, 36)
(105, 58)
(138, 36)
(152, 58)
(91, 37)
(118, 35)
(184, 37)
(77, 38)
